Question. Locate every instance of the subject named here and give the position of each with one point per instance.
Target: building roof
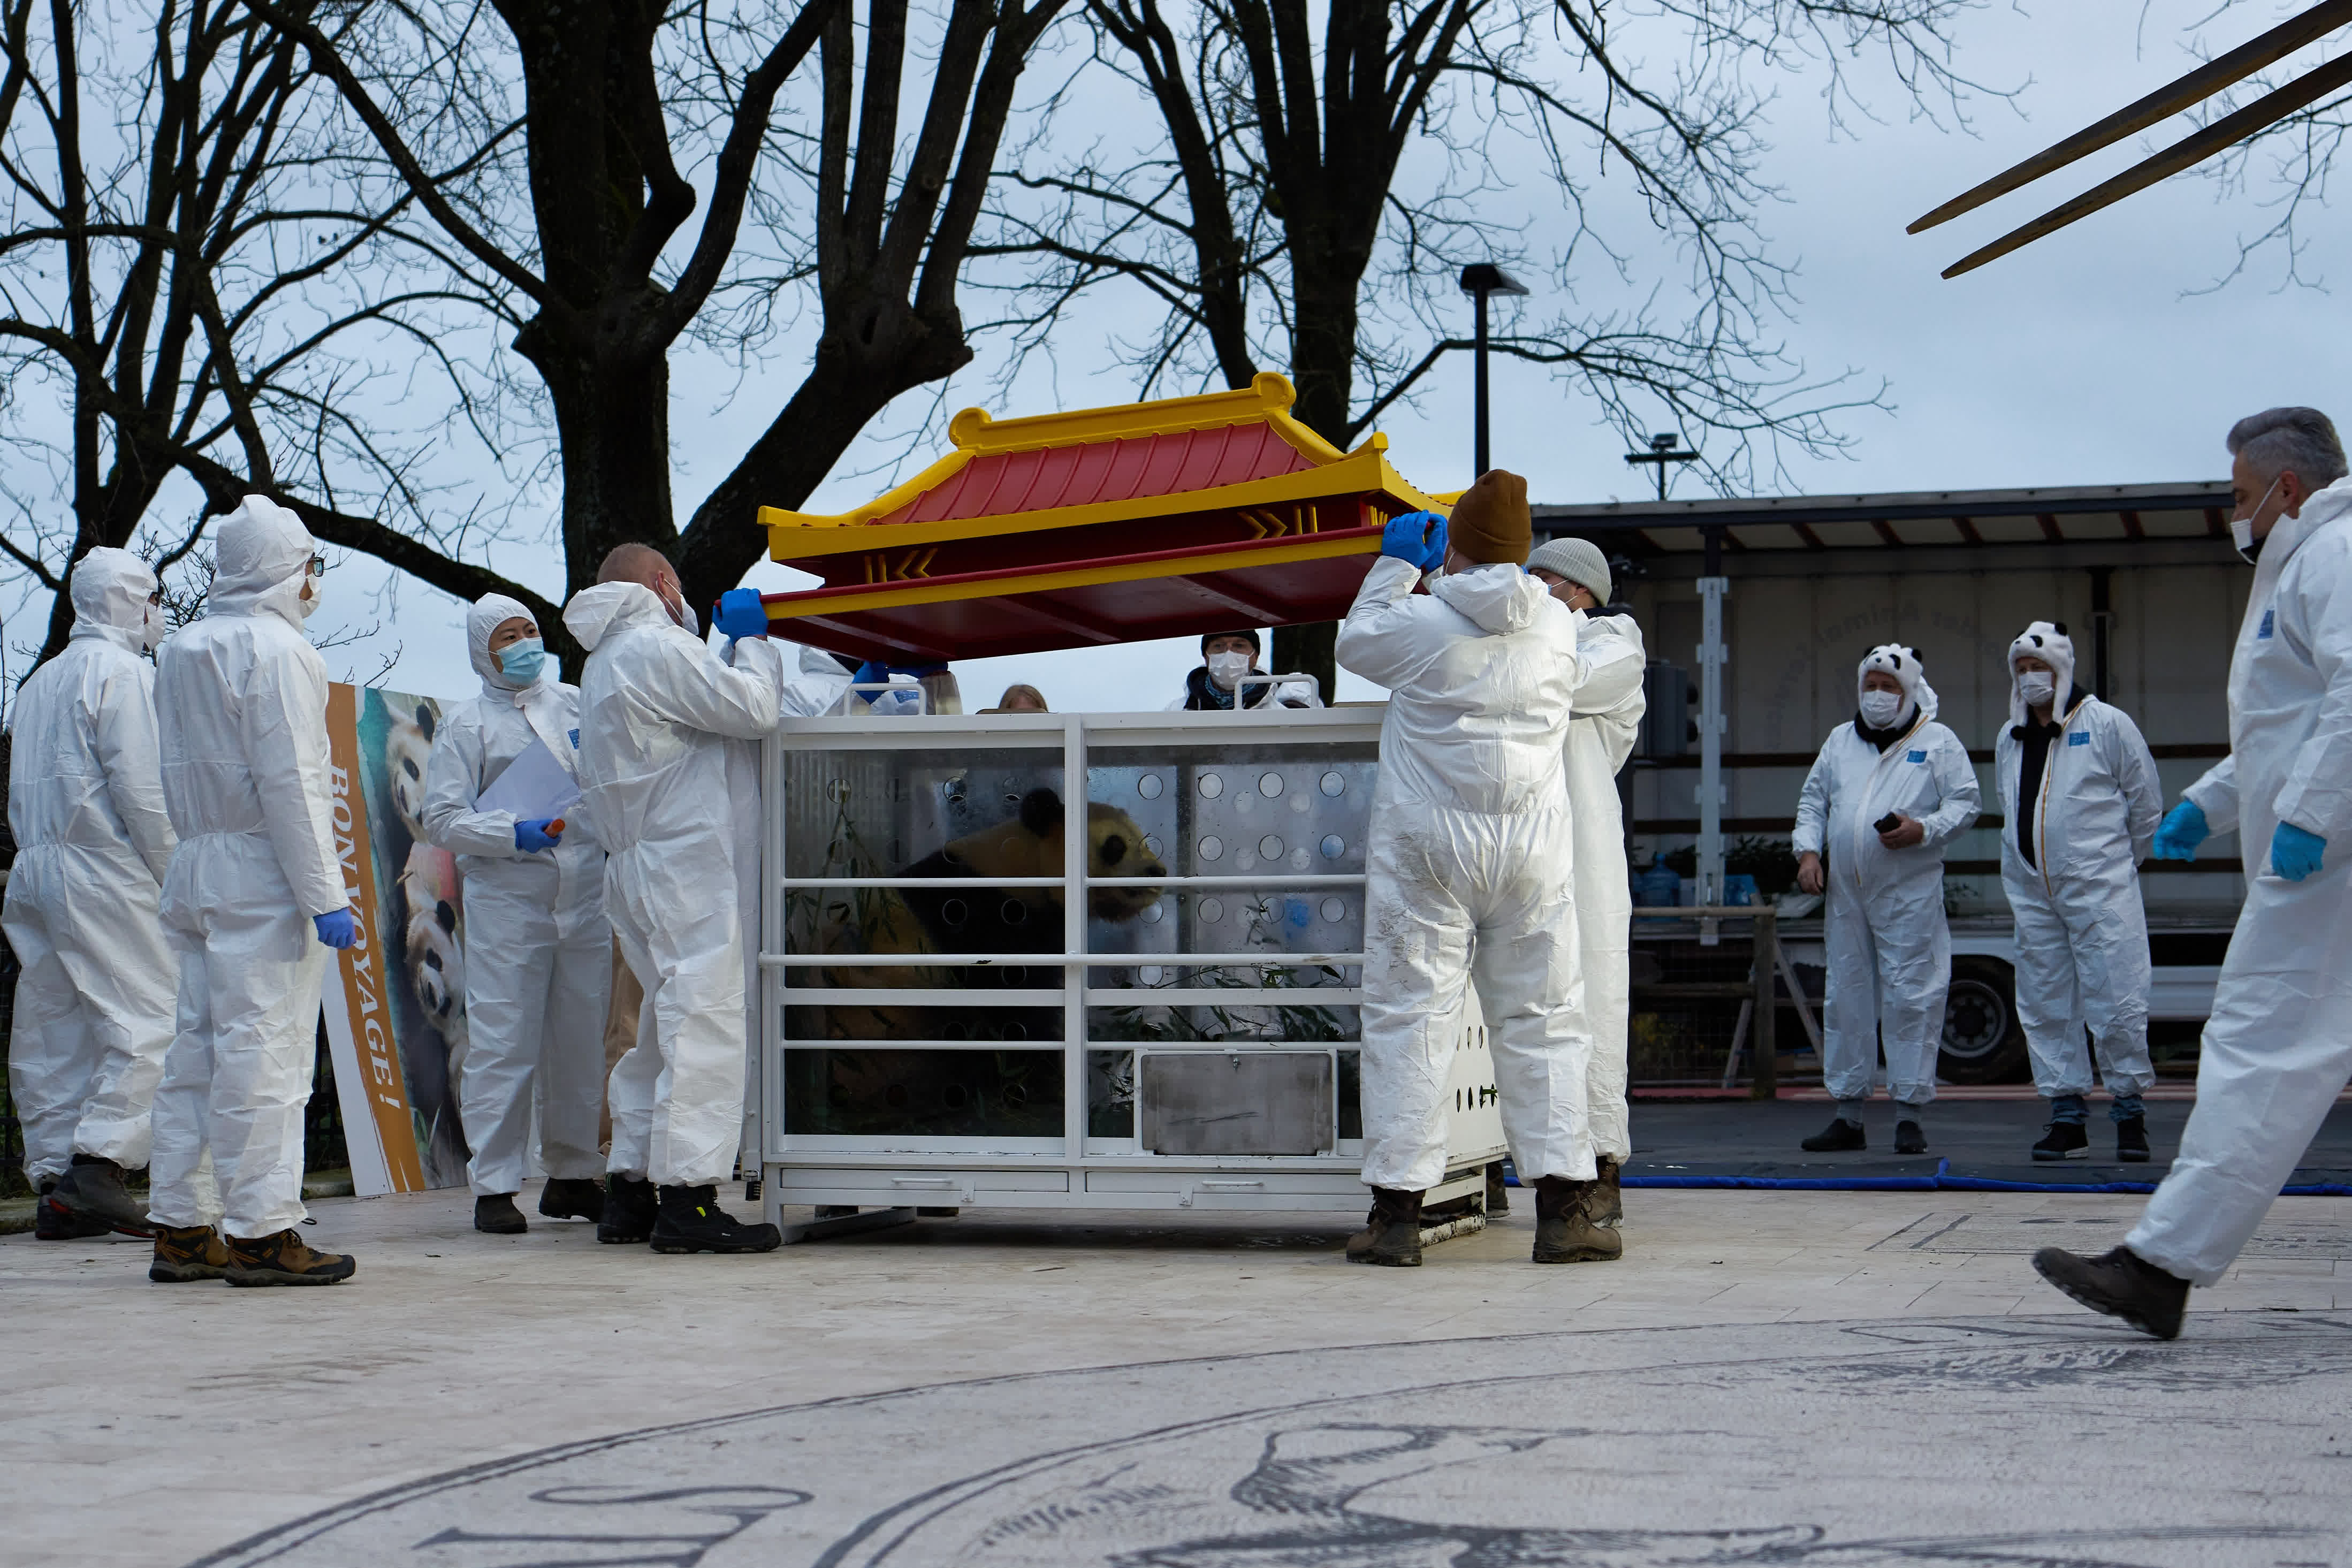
(1173, 518)
(2123, 521)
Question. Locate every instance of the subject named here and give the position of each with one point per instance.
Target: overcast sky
(2088, 358)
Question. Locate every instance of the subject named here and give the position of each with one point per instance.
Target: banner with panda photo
(395, 1000)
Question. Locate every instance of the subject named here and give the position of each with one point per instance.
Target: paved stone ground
(1862, 1378)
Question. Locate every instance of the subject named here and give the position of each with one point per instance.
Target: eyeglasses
(156, 597)
(318, 565)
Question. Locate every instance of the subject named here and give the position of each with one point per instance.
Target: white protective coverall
(670, 796)
(1610, 703)
(538, 953)
(1468, 870)
(241, 698)
(2278, 1047)
(86, 803)
(2082, 931)
(1889, 950)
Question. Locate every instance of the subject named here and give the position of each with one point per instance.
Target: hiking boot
(52, 1221)
(185, 1255)
(572, 1197)
(495, 1215)
(283, 1258)
(1498, 1192)
(690, 1220)
(2131, 1140)
(93, 1188)
(628, 1216)
(1391, 1233)
(1566, 1230)
(2064, 1140)
(1608, 1206)
(1910, 1138)
(1839, 1137)
(2122, 1285)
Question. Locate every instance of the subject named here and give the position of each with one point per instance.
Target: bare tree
(1317, 188)
(186, 271)
(573, 204)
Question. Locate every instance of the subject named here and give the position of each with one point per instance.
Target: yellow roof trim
(900, 595)
(977, 433)
(792, 536)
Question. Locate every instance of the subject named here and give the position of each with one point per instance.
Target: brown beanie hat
(1490, 523)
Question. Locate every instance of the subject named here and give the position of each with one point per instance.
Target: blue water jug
(1658, 888)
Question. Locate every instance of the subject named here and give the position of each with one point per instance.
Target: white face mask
(2038, 688)
(678, 612)
(2241, 528)
(309, 601)
(1879, 708)
(1227, 669)
(150, 632)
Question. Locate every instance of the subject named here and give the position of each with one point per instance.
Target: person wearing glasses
(93, 841)
(253, 900)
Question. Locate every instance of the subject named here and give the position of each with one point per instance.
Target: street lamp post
(1661, 453)
(1479, 280)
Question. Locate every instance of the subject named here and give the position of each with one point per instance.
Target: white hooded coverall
(2081, 932)
(86, 803)
(2278, 1047)
(1610, 703)
(538, 949)
(666, 788)
(1888, 948)
(1468, 870)
(242, 700)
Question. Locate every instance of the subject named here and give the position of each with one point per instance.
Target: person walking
(1468, 869)
(83, 914)
(1606, 718)
(253, 900)
(2079, 795)
(1887, 793)
(2277, 1049)
(539, 968)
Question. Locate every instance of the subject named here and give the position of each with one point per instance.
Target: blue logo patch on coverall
(2079, 738)
(1917, 757)
(2264, 630)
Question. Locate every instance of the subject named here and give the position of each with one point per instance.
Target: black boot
(495, 1215)
(1391, 1233)
(572, 1197)
(1839, 1137)
(2064, 1141)
(93, 1188)
(1910, 1138)
(2122, 1285)
(1566, 1230)
(52, 1221)
(1610, 1210)
(628, 1216)
(691, 1221)
(2131, 1140)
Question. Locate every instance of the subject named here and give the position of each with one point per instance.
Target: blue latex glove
(1417, 537)
(2184, 828)
(873, 672)
(2295, 852)
(741, 614)
(337, 928)
(532, 837)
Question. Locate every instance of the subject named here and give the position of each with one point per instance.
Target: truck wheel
(1983, 1042)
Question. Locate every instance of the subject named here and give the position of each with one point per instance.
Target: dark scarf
(1200, 691)
(2033, 761)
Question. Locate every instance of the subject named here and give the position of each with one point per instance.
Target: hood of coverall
(2048, 642)
(1902, 664)
(261, 557)
(486, 615)
(1501, 598)
(595, 613)
(110, 593)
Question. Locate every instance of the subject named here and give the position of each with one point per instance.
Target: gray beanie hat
(1578, 560)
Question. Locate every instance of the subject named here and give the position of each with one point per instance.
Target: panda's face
(1115, 847)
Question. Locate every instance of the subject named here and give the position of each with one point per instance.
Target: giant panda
(986, 918)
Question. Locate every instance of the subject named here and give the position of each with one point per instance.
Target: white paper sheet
(533, 787)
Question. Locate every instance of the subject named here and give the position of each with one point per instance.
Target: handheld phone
(1887, 824)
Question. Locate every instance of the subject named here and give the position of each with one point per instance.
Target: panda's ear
(427, 719)
(445, 915)
(1041, 811)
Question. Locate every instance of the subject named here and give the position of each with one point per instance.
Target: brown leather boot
(283, 1258)
(185, 1255)
(1566, 1231)
(1391, 1233)
(1611, 1209)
